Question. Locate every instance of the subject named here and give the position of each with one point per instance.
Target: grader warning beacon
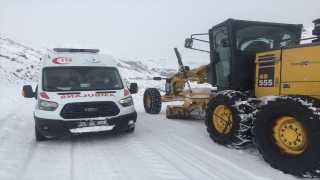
(268, 92)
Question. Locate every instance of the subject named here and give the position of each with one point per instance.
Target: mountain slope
(19, 62)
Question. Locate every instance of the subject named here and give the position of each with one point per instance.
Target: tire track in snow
(200, 138)
(184, 125)
(113, 149)
(17, 146)
(153, 160)
(24, 157)
(188, 157)
(200, 163)
(84, 158)
(31, 151)
(72, 158)
(189, 160)
(103, 155)
(227, 163)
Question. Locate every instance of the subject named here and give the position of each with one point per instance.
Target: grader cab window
(262, 38)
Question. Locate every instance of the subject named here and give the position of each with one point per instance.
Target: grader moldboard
(268, 92)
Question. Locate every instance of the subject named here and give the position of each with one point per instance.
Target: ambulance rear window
(81, 79)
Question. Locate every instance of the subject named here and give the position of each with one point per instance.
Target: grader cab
(268, 92)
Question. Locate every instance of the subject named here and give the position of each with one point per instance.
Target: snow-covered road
(159, 148)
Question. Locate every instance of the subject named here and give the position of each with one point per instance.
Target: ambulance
(80, 91)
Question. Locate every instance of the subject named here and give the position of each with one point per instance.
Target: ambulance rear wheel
(39, 136)
(130, 130)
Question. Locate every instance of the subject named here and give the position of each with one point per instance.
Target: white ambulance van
(78, 91)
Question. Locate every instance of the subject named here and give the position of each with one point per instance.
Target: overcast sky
(140, 28)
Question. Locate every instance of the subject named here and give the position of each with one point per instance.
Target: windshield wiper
(54, 88)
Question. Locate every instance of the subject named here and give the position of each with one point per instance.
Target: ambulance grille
(89, 110)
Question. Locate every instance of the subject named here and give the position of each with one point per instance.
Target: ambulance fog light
(130, 122)
(128, 101)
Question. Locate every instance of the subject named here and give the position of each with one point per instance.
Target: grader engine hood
(294, 70)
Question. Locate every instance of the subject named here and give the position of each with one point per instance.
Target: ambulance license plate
(91, 123)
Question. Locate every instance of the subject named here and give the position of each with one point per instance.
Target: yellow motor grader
(268, 92)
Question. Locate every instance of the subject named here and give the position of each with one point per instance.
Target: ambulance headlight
(47, 105)
(128, 101)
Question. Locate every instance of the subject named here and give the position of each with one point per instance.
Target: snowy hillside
(20, 64)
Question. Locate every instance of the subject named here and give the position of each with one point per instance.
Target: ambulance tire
(39, 136)
(130, 130)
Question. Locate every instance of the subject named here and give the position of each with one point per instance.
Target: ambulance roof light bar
(75, 50)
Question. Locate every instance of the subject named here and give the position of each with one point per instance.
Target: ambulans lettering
(86, 95)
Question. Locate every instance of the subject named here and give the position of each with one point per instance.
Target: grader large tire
(287, 133)
(152, 101)
(229, 119)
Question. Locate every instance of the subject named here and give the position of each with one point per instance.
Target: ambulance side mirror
(27, 91)
(133, 88)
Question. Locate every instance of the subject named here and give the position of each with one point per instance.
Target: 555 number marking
(265, 81)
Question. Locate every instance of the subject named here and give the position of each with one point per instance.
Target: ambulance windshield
(81, 79)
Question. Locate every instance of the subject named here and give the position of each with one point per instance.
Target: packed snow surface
(159, 148)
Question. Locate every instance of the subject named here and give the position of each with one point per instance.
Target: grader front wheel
(228, 119)
(287, 135)
(223, 120)
(152, 101)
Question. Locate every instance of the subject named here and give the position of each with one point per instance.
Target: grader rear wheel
(287, 135)
(229, 120)
(152, 101)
